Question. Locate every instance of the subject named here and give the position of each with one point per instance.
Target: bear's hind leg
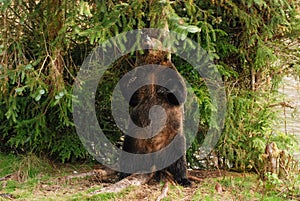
(179, 171)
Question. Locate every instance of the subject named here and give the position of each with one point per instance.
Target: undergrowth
(44, 181)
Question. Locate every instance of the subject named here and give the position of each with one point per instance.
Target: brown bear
(171, 99)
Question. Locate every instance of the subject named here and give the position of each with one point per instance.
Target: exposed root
(164, 191)
(169, 178)
(132, 180)
(193, 178)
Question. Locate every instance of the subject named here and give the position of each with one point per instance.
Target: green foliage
(272, 181)
(285, 187)
(43, 44)
(103, 98)
(37, 73)
(246, 130)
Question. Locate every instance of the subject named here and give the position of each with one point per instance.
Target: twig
(164, 192)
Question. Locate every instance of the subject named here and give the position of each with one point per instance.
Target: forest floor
(32, 178)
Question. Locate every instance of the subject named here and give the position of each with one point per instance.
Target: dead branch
(271, 158)
(79, 175)
(7, 196)
(132, 180)
(282, 104)
(7, 177)
(164, 191)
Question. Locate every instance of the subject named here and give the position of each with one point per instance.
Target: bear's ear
(131, 83)
(134, 100)
(172, 99)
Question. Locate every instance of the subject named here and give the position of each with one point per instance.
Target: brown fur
(162, 139)
(143, 100)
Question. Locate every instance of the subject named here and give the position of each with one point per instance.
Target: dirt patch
(203, 174)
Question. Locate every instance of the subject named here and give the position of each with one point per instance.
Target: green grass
(8, 164)
(38, 179)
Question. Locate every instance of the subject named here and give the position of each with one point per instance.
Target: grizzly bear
(141, 103)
